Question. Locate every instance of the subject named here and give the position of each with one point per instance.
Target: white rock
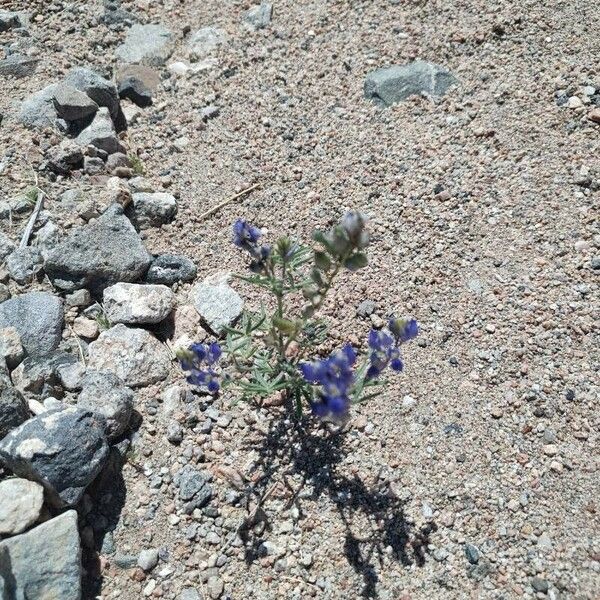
(20, 505)
(134, 355)
(137, 304)
(217, 303)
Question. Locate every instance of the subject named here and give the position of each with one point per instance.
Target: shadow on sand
(298, 448)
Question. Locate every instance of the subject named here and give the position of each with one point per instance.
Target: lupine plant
(273, 351)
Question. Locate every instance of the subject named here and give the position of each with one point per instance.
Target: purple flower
(385, 347)
(198, 361)
(246, 236)
(335, 377)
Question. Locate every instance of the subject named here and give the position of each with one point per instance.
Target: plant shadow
(299, 448)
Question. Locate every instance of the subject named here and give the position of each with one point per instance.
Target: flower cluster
(336, 377)
(385, 346)
(246, 236)
(199, 361)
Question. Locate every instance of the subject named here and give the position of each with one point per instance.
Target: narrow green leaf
(322, 261)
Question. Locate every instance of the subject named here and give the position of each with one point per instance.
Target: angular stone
(170, 268)
(102, 91)
(101, 134)
(101, 253)
(134, 355)
(38, 110)
(38, 317)
(152, 209)
(65, 157)
(136, 304)
(72, 104)
(106, 395)
(20, 505)
(217, 303)
(86, 328)
(24, 264)
(13, 408)
(63, 450)
(194, 488)
(205, 41)
(10, 20)
(11, 349)
(138, 83)
(18, 66)
(40, 375)
(44, 563)
(148, 44)
(259, 16)
(394, 84)
(6, 246)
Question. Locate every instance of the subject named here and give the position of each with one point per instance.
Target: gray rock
(65, 157)
(20, 505)
(105, 394)
(102, 91)
(170, 268)
(472, 553)
(46, 238)
(189, 594)
(6, 246)
(40, 374)
(71, 375)
(366, 308)
(205, 41)
(174, 432)
(92, 165)
(4, 293)
(138, 83)
(116, 17)
(215, 587)
(209, 112)
(136, 304)
(101, 134)
(13, 408)
(116, 160)
(24, 264)
(72, 104)
(394, 84)
(148, 44)
(148, 559)
(194, 488)
(539, 585)
(11, 20)
(38, 110)
(38, 317)
(135, 355)
(11, 349)
(152, 209)
(63, 450)
(44, 563)
(18, 66)
(217, 303)
(259, 16)
(78, 298)
(101, 253)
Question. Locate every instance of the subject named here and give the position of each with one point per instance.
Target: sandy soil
(490, 436)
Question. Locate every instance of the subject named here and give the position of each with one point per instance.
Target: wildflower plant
(273, 351)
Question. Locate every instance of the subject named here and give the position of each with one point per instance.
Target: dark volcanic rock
(38, 317)
(171, 268)
(99, 254)
(63, 450)
(13, 408)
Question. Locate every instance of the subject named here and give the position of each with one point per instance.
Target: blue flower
(198, 362)
(245, 234)
(385, 347)
(335, 377)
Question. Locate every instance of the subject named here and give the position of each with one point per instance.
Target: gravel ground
(475, 474)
